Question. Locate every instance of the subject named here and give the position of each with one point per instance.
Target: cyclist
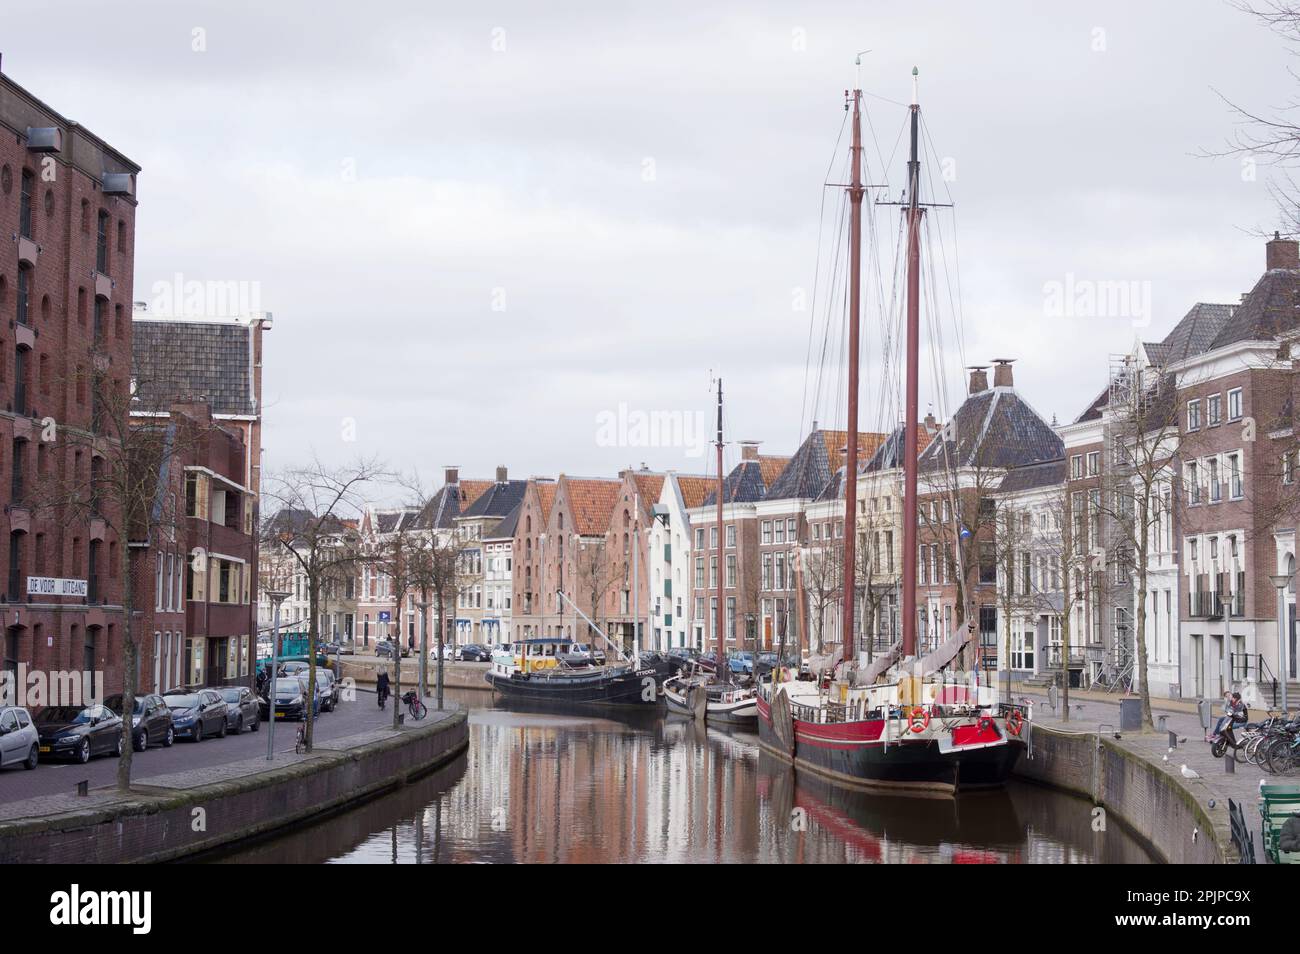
(1235, 714)
(381, 688)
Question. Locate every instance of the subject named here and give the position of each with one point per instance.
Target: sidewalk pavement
(1089, 711)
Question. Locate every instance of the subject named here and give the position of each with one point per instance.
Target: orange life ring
(1015, 722)
(921, 713)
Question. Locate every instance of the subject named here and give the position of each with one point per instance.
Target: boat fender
(918, 718)
(1015, 722)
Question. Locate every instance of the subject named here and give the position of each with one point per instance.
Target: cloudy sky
(484, 228)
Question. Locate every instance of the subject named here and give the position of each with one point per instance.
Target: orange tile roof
(694, 489)
(648, 488)
(546, 497)
(592, 502)
(769, 468)
(471, 490)
(868, 443)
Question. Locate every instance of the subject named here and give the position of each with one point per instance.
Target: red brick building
(68, 200)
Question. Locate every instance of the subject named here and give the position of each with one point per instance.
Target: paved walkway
(1089, 711)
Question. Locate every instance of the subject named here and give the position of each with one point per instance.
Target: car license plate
(282, 715)
(45, 748)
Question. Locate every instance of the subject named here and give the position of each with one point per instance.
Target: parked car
(473, 652)
(242, 708)
(197, 714)
(741, 661)
(19, 741)
(327, 687)
(448, 653)
(386, 649)
(290, 699)
(78, 733)
(294, 666)
(151, 720)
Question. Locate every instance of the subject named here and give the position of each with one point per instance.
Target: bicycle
(300, 739)
(414, 706)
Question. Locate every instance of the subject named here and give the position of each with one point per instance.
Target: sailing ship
(890, 723)
(712, 696)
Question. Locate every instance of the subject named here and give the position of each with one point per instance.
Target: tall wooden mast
(910, 450)
(856, 191)
(724, 668)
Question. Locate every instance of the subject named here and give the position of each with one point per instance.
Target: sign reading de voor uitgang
(50, 586)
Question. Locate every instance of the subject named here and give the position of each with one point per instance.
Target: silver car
(19, 740)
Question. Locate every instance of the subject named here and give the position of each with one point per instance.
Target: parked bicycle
(414, 706)
(300, 740)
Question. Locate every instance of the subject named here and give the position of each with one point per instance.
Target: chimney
(1282, 253)
(451, 474)
(930, 422)
(979, 381)
(1002, 373)
(749, 450)
(501, 475)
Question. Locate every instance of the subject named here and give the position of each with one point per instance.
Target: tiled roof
(471, 490)
(648, 488)
(185, 360)
(993, 428)
(591, 501)
(497, 500)
(770, 468)
(1268, 311)
(815, 462)
(1032, 476)
(545, 496)
(450, 502)
(694, 489)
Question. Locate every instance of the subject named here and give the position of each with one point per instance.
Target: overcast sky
(481, 227)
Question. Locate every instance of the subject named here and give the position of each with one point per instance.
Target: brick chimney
(979, 381)
(501, 475)
(1002, 373)
(930, 422)
(451, 474)
(749, 450)
(1282, 253)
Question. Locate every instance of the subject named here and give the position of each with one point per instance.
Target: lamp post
(1281, 581)
(276, 597)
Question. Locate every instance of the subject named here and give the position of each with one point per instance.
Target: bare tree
(595, 578)
(308, 510)
(124, 472)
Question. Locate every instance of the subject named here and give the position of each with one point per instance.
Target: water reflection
(546, 787)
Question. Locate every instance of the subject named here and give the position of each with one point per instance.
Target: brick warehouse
(67, 199)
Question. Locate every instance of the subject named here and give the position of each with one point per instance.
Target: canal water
(582, 788)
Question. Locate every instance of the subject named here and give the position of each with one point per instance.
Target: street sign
(385, 616)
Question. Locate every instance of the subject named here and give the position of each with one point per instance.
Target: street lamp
(276, 597)
(1281, 581)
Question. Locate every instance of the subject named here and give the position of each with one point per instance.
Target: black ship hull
(624, 688)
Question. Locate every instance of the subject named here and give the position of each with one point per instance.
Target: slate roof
(392, 521)
(1271, 308)
(890, 452)
(506, 528)
(186, 359)
(1193, 335)
(992, 429)
(293, 522)
(815, 462)
(497, 500)
(1032, 476)
(743, 485)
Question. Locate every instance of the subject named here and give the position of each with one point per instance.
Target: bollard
(83, 787)
(1230, 764)
(1162, 725)
(1173, 740)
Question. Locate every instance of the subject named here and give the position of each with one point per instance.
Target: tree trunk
(1144, 690)
(129, 656)
(442, 622)
(398, 643)
(313, 608)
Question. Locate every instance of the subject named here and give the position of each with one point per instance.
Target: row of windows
(1214, 410)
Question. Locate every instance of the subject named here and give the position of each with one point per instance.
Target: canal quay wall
(189, 813)
(454, 675)
(1149, 797)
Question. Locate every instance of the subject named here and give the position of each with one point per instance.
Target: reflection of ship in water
(835, 823)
